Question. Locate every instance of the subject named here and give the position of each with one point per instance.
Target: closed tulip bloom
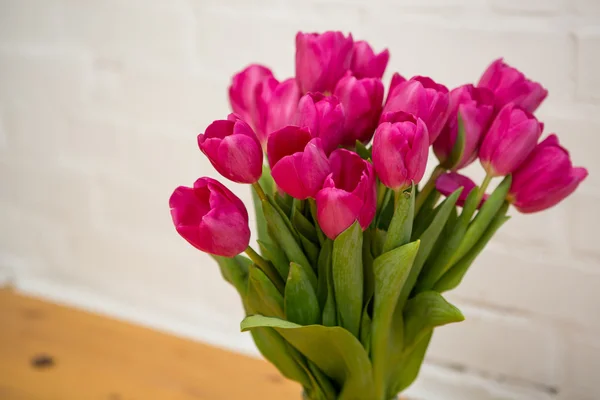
(348, 194)
(510, 85)
(400, 150)
(233, 149)
(509, 141)
(321, 60)
(394, 82)
(361, 99)
(279, 108)
(365, 63)
(475, 107)
(448, 183)
(298, 163)
(545, 178)
(324, 118)
(242, 92)
(425, 99)
(211, 218)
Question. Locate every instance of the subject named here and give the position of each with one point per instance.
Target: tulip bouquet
(345, 288)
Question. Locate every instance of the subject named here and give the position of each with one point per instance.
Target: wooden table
(51, 352)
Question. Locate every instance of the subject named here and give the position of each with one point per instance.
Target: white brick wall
(100, 104)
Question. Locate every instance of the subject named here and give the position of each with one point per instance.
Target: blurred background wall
(100, 105)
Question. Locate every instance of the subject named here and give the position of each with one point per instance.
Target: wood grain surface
(52, 352)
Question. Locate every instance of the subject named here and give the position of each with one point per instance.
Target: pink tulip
(242, 92)
(396, 80)
(509, 141)
(448, 183)
(365, 63)
(475, 107)
(211, 218)
(348, 194)
(400, 150)
(321, 60)
(545, 178)
(361, 99)
(324, 117)
(425, 99)
(298, 163)
(279, 109)
(233, 149)
(511, 86)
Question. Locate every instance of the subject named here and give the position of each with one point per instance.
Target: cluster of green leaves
(356, 314)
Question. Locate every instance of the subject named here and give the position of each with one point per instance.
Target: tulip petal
(336, 210)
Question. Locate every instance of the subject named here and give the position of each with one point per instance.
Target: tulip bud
(279, 109)
(396, 80)
(448, 183)
(423, 98)
(321, 60)
(242, 92)
(475, 106)
(400, 150)
(509, 141)
(233, 149)
(348, 194)
(324, 118)
(211, 218)
(365, 63)
(545, 178)
(510, 85)
(361, 100)
(298, 163)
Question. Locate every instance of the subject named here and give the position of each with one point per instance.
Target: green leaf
(301, 305)
(362, 150)
(279, 353)
(284, 203)
(378, 240)
(313, 213)
(454, 276)
(366, 327)
(424, 312)
(263, 297)
(426, 214)
(266, 182)
(311, 250)
(305, 227)
(274, 254)
(386, 211)
(428, 239)
(329, 310)
(391, 271)
(459, 146)
(324, 271)
(235, 271)
(483, 219)
(406, 371)
(369, 278)
(348, 277)
(327, 390)
(333, 349)
(439, 264)
(401, 225)
(283, 235)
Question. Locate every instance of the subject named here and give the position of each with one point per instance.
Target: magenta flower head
(476, 108)
(361, 99)
(233, 149)
(448, 183)
(510, 85)
(400, 150)
(425, 99)
(211, 218)
(509, 141)
(396, 80)
(276, 106)
(348, 194)
(545, 178)
(297, 160)
(321, 60)
(365, 63)
(324, 118)
(242, 92)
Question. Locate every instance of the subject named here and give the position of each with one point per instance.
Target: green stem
(259, 191)
(483, 187)
(266, 267)
(428, 188)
